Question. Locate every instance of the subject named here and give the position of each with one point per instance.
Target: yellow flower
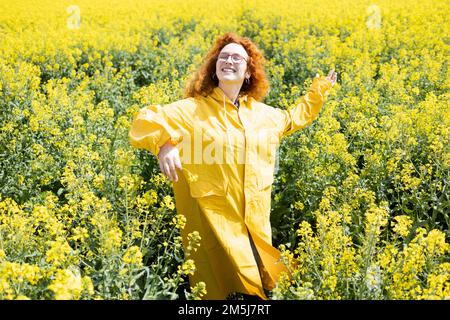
(67, 285)
(198, 291)
(299, 205)
(79, 234)
(401, 225)
(2, 254)
(88, 285)
(32, 273)
(98, 181)
(376, 217)
(168, 203)
(126, 182)
(179, 221)
(435, 243)
(113, 239)
(187, 268)
(58, 252)
(133, 256)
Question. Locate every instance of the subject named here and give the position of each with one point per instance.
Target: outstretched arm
(158, 129)
(308, 109)
(154, 125)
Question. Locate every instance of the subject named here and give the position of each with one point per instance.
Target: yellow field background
(360, 199)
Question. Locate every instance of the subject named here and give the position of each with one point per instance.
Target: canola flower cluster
(332, 262)
(360, 200)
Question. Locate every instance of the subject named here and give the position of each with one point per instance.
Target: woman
(218, 147)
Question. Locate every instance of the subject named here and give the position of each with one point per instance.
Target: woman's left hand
(332, 77)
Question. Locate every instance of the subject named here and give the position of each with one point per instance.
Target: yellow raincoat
(224, 191)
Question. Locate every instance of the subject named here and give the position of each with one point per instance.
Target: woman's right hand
(169, 161)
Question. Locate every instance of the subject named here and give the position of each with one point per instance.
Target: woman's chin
(230, 79)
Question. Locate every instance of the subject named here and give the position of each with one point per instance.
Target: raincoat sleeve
(154, 125)
(308, 109)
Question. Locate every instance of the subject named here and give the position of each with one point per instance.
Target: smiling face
(230, 67)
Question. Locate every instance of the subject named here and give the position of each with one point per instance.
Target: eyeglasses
(235, 58)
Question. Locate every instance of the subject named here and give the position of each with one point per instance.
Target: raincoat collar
(217, 94)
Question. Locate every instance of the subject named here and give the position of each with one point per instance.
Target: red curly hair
(202, 82)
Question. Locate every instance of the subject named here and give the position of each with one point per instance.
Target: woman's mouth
(228, 70)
